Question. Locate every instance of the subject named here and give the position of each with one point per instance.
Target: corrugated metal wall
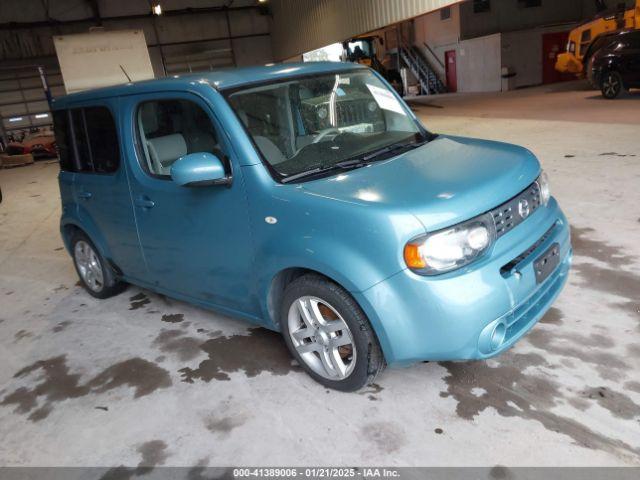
(303, 25)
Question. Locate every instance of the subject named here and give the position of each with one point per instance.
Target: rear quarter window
(87, 140)
(63, 140)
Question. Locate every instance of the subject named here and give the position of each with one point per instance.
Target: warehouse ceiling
(74, 10)
(185, 28)
(298, 25)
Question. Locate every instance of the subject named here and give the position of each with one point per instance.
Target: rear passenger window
(170, 129)
(87, 140)
(101, 130)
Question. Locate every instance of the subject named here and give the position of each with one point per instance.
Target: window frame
(140, 152)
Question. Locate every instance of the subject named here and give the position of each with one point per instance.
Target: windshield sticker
(385, 99)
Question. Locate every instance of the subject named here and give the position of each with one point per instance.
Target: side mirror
(199, 170)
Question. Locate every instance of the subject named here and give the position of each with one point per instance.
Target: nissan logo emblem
(523, 208)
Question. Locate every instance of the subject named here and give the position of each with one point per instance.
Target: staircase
(430, 83)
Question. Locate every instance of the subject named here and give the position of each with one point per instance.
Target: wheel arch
(280, 281)
(69, 228)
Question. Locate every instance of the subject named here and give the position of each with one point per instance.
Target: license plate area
(547, 263)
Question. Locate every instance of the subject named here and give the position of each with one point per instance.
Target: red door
(552, 45)
(450, 70)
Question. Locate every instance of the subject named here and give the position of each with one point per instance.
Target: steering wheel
(325, 132)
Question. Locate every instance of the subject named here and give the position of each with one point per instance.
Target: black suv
(616, 65)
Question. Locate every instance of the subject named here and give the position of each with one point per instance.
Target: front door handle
(84, 195)
(144, 202)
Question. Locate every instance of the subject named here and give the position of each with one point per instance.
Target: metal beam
(166, 13)
(95, 8)
(210, 39)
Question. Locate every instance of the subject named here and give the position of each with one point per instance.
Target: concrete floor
(141, 379)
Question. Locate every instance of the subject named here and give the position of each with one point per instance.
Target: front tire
(611, 85)
(329, 335)
(96, 276)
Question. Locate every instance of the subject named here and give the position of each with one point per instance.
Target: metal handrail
(428, 78)
(433, 54)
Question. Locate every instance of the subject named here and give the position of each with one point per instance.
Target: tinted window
(82, 141)
(103, 139)
(87, 140)
(63, 139)
(170, 129)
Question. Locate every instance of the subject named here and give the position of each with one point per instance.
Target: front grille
(506, 269)
(513, 212)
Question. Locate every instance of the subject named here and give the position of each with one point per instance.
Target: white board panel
(96, 59)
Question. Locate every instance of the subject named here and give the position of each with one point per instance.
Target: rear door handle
(85, 195)
(144, 202)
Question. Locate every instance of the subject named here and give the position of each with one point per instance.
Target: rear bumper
(477, 312)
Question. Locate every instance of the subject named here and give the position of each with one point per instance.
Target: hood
(446, 181)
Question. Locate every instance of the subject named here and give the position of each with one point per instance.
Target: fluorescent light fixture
(157, 9)
(262, 1)
(15, 119)
(42, 115)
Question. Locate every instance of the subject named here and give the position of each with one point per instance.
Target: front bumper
(478, 311)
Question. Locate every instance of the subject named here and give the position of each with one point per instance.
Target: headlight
(450, 248)
(543, 185)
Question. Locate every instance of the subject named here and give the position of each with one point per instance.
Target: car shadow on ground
(633, 95)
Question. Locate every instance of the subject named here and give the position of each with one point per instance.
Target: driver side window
(170, 129)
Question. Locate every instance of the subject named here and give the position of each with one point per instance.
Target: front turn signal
(412, 256)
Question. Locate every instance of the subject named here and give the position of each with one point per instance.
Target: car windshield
(321, 123)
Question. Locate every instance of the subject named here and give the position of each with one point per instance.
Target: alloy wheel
(322, 338)
(89, 265)
(611, 86)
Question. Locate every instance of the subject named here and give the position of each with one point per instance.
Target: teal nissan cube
(309, 199)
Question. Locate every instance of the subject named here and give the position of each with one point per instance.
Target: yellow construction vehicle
(573, 60)
(369, 50)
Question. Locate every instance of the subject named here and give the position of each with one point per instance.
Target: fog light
(497, 336)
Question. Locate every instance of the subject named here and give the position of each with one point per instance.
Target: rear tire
(329, 335)
(96, 276)
(611, 85)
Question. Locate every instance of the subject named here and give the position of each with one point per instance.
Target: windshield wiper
(368, 157)
(354, 162)
(345, 165)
